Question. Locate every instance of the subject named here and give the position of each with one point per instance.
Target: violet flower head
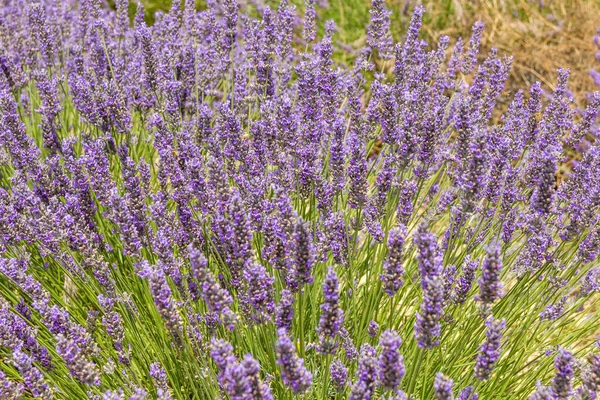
(357, 172)
(470, 58)
(217, 299)
(159, 376)
(378, 31)
(542, 393)
(32, 377)
(38, 22)
(391, 362)
(348, 345)
(260, 292)
(221, 352)
(10, 389)
(464, 283)
(392, 267)
(82, 369)
(543, 194)
(303, 257)
(490, 286)
(259, 389)
(150, 62)
(442, 387)
(332, 316)
(366, 375)
(427, 325)
(448, 278)
(591, 374)
(554, 311)
(293, 372)
(284, 312)
(468, 393)
(232, 376)
(373, 329)
(163, 298)
(490, 349)
(564, 363)
(310, 23)
(339, 375)
(428, 255)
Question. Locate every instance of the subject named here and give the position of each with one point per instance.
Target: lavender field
(233, 203)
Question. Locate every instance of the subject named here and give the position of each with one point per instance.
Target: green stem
(301, 320)
(413, 371)
(326, 377)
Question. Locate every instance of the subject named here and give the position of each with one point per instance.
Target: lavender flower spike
(293, 372)
(339, 375)
(284, 313)
(490, 286)
(468, 393)
(490, 349)
(442, 387)
(332, 316)
(391, 362)
(564, 363)
(366, 374)
(392, 267)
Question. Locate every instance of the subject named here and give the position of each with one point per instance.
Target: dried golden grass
(541, 39)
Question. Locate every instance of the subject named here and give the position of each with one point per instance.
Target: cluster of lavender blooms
(212, 207)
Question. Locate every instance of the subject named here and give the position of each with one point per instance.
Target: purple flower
(259, 389)
(357, 171)
(553, 311)
(393, 271)
(332, 316)
(310, 16)
(464, 283)
(163, 298)
(470, 58)
(543, 194)
(542, 393)
(366, 375)
(373, 329)
(260, 292)
(391, 362)
(10, 389)
(339, 375)
(293, 372)
(468, 393)
(79, 367)
(427, 325)
(217, 299)
(32, 377)
(591, 374)
(284, 313)
(428, 255)
(303, 258)
(378, 31)
(232, 375)
(159, 376)
(490, 286)
(348, 345)
(564, 363)
(442, 387)
(490, 349)
(448, 277)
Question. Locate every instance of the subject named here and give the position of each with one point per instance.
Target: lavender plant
(212, 207)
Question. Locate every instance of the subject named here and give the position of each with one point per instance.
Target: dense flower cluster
(213, 207)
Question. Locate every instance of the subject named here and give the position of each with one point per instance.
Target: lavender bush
(211, 207)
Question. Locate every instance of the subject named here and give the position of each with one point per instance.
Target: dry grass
(541, 39)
